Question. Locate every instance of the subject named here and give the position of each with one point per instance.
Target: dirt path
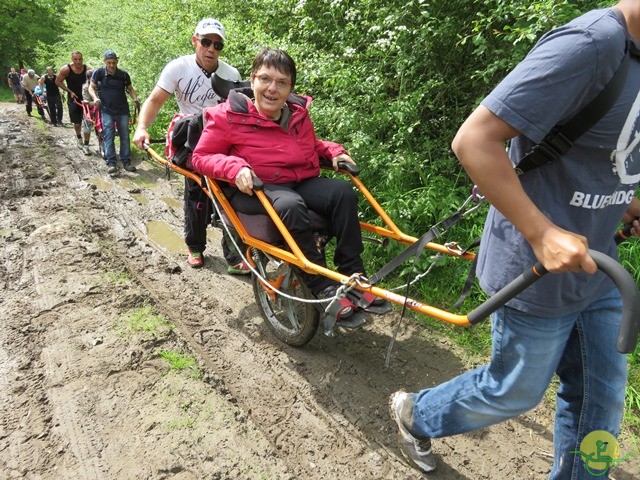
(86, 397)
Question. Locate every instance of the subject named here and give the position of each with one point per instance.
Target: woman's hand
(343, 157)
(244, 180)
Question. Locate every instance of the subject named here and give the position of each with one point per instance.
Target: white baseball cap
(208, 26)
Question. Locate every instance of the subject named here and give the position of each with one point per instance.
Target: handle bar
(622, 234)
(628, 333)
(349, 167)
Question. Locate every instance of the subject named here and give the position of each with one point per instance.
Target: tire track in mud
(315, 442)
(65, 409)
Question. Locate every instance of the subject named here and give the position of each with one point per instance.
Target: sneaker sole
(196, 264)
(239, 272)
(404, 437)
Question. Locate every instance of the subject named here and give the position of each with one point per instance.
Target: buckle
(541, 154)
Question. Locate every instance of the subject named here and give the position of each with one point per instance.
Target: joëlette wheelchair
(41, 105)
(287, 305)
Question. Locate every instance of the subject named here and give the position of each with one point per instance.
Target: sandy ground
(86, 396)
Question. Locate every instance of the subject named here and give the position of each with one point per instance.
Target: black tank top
(76, 80)
(52, 88)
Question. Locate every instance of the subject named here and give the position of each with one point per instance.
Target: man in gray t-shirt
(564, 324)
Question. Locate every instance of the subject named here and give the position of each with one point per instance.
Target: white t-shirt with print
(191, 87)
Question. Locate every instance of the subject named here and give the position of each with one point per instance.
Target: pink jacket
(236, 136)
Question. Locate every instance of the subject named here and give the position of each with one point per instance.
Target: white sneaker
(85, 150)
(80, 143)
(416, 450)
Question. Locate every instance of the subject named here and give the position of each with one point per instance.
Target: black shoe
(129, 168)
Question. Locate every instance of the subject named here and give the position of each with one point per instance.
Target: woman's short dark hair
(278, 59)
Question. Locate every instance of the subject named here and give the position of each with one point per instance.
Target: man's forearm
(148, 114)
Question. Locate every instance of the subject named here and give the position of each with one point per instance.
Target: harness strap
(416, 248)
(560, 139)
(471, 276)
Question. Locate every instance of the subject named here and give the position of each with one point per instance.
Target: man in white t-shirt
(188, 78)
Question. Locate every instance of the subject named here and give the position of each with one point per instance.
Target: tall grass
(629, 253)
(6, 95)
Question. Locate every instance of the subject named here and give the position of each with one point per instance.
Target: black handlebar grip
(257, 183)
(622, 234)
(349, 167)
(630, 325)
(516, 286)
(628, 333)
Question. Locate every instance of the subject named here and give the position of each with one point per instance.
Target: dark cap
(110, 54)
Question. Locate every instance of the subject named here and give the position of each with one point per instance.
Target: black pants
(197, 216)
(29, 98)
(55, 108)
(330, 197)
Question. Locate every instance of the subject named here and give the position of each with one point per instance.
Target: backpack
(185, 129)
(182, 137)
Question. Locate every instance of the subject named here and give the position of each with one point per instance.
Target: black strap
(470, 277)
(416, 248)
(561, 138)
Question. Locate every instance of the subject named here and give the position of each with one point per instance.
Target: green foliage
(181, 362)
(629, 255)
(29, 29)
(505, 30)
(6, 95)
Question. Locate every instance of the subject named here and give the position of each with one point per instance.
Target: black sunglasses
(206, 43)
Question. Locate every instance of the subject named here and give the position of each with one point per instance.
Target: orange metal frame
(296, 257)
(85, 110)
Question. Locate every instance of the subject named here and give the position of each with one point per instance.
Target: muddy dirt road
(87, 394)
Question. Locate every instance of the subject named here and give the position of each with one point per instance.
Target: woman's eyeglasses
(207, 42)
(266, 80)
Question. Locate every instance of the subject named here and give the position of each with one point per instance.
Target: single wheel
(293, 322)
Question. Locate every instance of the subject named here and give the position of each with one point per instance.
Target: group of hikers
(91, 94)
(564, 325)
